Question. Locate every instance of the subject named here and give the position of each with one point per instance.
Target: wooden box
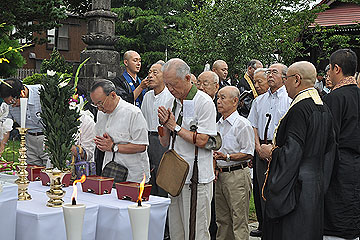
(130, 191)
(98, 185)
(34, 172)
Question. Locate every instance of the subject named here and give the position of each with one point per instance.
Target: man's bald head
(132, 62)
(208, 82)
(129, 54)
(220, 67)
(232, 91)
(300, 76)
(228, 100)
(306, 70)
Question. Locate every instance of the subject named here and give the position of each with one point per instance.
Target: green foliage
(11, 151)
(17, 13)
(10, 56)
(56, 63)
(237, 31)
(150, 27)
(36, 78)
(326, 40)
(59, 121)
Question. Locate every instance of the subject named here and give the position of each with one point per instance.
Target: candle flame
(141, 190)
(81, 180)
(22, 93)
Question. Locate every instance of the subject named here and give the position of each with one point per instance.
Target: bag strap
(190, 96)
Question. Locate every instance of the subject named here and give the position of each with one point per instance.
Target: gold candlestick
(22, 181)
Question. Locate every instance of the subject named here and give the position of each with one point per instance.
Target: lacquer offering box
(98, 185)
(34, 172)
(45, 180)
(130, 191)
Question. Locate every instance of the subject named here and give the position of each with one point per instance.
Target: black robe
(299, 173)
(244, 109)
(342, 201)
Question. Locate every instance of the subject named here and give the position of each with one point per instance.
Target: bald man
(301, 159)
(220, 67)
(233, 185)
(129, 86)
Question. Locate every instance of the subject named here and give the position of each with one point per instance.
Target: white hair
(181, 68)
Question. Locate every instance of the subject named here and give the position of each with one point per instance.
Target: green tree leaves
(237, 31)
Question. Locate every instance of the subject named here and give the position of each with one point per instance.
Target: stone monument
(104, 61)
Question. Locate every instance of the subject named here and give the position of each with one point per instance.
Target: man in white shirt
(233, 180)
(192, 108)
(274, 102)
(153, 99)
(120, 131)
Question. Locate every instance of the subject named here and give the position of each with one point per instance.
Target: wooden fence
(23, 73)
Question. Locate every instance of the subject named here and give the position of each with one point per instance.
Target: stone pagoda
(104, 61)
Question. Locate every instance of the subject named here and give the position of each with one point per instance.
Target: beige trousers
(179, 213)
(232, 197)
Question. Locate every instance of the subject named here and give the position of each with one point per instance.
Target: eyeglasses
(285, 78)
(272, 71)
(205, 83)
(100, 104)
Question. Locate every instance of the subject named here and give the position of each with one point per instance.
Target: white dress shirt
(126, 124)
(86, 134)
(237, 136)
(150, 105)
(200, 112)
(276, 104)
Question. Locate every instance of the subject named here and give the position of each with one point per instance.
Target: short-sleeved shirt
(33, 110)
(276, 104)
(237, 136)
(150, 105)
(126, 124)
(199, 111)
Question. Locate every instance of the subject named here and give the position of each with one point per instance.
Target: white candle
(23, 107)
(139, 219)
(74, 220)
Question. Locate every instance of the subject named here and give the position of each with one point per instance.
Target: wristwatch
(227, 157)
(115, 147)
(177, 129)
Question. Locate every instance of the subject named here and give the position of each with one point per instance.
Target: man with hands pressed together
(191, 108)
(120, 129)
(233, 185)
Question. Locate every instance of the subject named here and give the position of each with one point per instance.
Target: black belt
(230, 169)
(153, 133)
(263, 142)
(36, 133)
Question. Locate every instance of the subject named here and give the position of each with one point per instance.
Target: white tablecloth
(8, 202)
(113, 221)
(37, 221)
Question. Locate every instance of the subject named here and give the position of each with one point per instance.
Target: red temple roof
(339, 13)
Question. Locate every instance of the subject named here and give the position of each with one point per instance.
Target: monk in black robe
(342, 201)
(301, 161)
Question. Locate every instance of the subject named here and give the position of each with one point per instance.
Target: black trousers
(257, 192)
